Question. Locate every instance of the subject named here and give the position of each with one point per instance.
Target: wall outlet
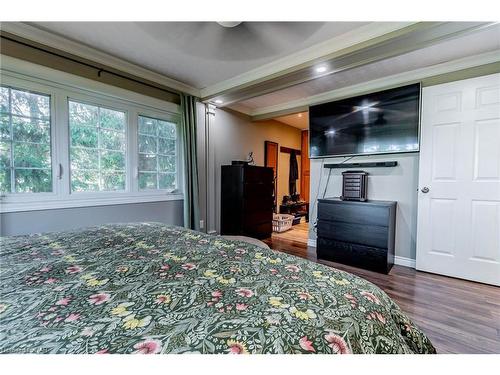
(202, 224)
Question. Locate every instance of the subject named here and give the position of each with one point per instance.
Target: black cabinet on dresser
(359, 234)
(247, 201)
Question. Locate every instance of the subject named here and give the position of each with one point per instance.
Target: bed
(151, 288)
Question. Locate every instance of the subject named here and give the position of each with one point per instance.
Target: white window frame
(20, 74)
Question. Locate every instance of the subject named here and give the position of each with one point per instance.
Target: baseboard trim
(400, 261)
(403, 261)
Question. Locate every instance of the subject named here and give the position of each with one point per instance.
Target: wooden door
(305, 169)
(271, 153)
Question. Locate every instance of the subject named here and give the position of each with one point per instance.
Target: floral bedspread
(151, 288)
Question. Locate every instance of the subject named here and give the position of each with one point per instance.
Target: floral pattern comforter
(151, 288)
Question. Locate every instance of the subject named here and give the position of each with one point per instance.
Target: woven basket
(282, 222)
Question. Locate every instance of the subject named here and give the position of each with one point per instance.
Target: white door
(459, 180)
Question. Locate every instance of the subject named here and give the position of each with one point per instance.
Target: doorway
(289, 158)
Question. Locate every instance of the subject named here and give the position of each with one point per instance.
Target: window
(157, 154)
(79, 143)
(25, 146)
(97, 148)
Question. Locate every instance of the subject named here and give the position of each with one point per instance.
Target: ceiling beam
(303, 57)
(467, 67)
(401, 41)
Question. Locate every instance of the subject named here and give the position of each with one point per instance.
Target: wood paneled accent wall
(305, 168)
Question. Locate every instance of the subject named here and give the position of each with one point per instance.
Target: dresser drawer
(260, 230)
(259, 175)
(257, 190)
(258, 204)
(369, 235)
(354, 213)
(370, 258)
(251, 218)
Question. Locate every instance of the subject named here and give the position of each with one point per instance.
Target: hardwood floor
(458, 316)
(298, 234)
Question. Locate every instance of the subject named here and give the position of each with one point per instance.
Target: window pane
(32, 180)
(28, 104)
(82, 114)
(167, 180)
(112, 160)
(112, 140)
(166, 163)
(31, 155)
(25, 142)
(112, 119)
(147, 162)
(113, 181)
(5, 155)
(157, 154)
(84, 158)
(166, 146)
(4, 99)
(31, 130)
(84, 180)
(147, 144)
(147, 181)
(83, 136)
(5, 180)
(100, 164)
(147, 125)
(166, 129)
(4, 127)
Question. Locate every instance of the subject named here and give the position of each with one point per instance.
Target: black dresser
(359, 234)
(247, 201)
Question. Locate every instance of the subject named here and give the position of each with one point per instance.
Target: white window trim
(23, 75)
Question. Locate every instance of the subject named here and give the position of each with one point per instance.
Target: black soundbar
(376, 164)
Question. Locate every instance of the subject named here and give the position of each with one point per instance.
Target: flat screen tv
(378, 123)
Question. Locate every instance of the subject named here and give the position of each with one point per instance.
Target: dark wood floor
(458, 316)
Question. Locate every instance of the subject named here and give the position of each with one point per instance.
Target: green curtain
(191, 205)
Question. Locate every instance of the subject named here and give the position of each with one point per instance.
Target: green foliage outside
(25, 161)
(157, 154)
(97, 146)
(97, 152)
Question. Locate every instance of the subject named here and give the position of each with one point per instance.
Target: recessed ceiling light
(321, 69)
(218, 101)
(229, 23)
(300, 115)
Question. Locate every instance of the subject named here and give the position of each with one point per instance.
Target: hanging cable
(330, 172)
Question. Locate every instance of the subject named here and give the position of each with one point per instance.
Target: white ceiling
(199, 53)
(473, 44)
(297, 120)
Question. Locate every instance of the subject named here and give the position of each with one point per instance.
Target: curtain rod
(100, 70)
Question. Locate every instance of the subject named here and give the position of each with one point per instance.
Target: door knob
(424, 190)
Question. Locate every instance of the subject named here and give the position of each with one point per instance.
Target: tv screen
(377, 123)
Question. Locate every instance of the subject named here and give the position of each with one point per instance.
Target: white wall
(395, 184)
